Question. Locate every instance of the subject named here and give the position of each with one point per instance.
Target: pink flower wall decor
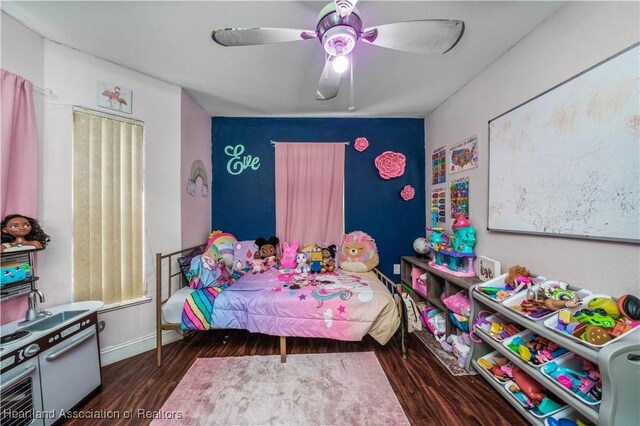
(361, 144)
(407, 192)
(390, 164)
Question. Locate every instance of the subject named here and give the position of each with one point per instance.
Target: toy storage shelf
(438, 282)
(502, 391)
(13, 290)
(617, 362)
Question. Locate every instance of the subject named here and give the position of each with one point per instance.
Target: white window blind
(108, 262)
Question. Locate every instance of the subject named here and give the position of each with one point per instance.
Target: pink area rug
(314, 389)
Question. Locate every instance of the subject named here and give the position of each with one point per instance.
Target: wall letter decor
(237, 165)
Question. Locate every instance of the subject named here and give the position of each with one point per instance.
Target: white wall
(578, 36)
(196, 145)
(73, 77)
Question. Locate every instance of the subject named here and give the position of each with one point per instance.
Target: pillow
(185, 261)
(225, 243)
(458, 303)
(243, 251)
(358, 252)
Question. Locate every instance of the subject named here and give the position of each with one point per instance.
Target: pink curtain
(19, 176)
(19, 163)
(309, 192)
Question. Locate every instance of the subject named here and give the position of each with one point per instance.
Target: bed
(339, 305)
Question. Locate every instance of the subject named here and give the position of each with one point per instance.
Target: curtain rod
(44, 90)
(273, 143)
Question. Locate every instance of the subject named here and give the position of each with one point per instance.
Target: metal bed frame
(173, 278)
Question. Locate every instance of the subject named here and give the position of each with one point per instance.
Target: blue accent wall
(244, 204)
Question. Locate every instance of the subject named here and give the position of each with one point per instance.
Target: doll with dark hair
(21, 232)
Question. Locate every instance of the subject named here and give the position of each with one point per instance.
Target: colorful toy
(21, 232)
(597, 317)
(629, 306)
(458, 345)
(257, 265)
(268, 250)
(225, 243)
(301, 263)
(453, 255)
(328, 254)
(289, 255)
(15, 272)
(586, 383)
(358, 252)
(534, 390)
(315, 260)
(606, 304)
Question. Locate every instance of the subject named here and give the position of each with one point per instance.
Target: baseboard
(128, 349)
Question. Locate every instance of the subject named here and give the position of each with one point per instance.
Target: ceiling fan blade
(251, 36)
(425, 36)
(344, 7)
(329, 82)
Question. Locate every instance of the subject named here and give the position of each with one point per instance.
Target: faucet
(33, 313)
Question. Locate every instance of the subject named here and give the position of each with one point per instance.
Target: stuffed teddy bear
(459, 345)
(268, 251)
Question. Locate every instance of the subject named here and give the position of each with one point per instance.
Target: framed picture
(114, 97)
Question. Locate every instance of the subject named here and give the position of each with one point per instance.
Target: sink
(54, 320)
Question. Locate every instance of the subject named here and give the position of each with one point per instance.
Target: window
(108, 261)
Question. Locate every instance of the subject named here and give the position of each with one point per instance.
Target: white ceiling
(171, 40)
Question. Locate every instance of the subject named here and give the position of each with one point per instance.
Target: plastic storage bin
(417, 284)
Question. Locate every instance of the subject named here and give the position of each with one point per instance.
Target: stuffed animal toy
(358, 253)
(459, 345)
(225, 243)
(328, 254)
(257, 265)
(268, 250)
(301, 261)
(315, 260)
(289, 255)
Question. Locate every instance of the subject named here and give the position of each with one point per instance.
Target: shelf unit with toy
(617, 362)
(438, 282)
(19, 278)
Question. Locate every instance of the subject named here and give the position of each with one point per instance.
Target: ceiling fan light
(339, 40)
(340, 64)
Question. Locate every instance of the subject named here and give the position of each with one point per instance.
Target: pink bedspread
(338, 306)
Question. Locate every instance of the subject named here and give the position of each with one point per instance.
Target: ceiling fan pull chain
(352, 103)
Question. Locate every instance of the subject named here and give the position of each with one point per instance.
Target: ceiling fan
(339, 28)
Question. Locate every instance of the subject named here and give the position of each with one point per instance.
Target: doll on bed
(21, 232)
(268, 251)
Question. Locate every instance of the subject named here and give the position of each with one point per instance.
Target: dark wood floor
(427, 392)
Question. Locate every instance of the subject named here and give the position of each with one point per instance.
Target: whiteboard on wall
(565, 163)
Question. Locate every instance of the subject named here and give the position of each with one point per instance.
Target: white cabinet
(618, 363)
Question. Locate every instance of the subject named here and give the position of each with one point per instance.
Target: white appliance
(21, 397)
(69, 370)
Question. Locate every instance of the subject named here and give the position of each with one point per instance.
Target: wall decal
(464, 155)
(361, 144)
(198, 170)
(439, 166)
(237, 165)
(113, 96)
(408, 192)
(390, 164)
(460, 197)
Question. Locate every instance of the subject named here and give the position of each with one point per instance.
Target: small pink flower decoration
(407, 192)
(361, 144)
(390, 164)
